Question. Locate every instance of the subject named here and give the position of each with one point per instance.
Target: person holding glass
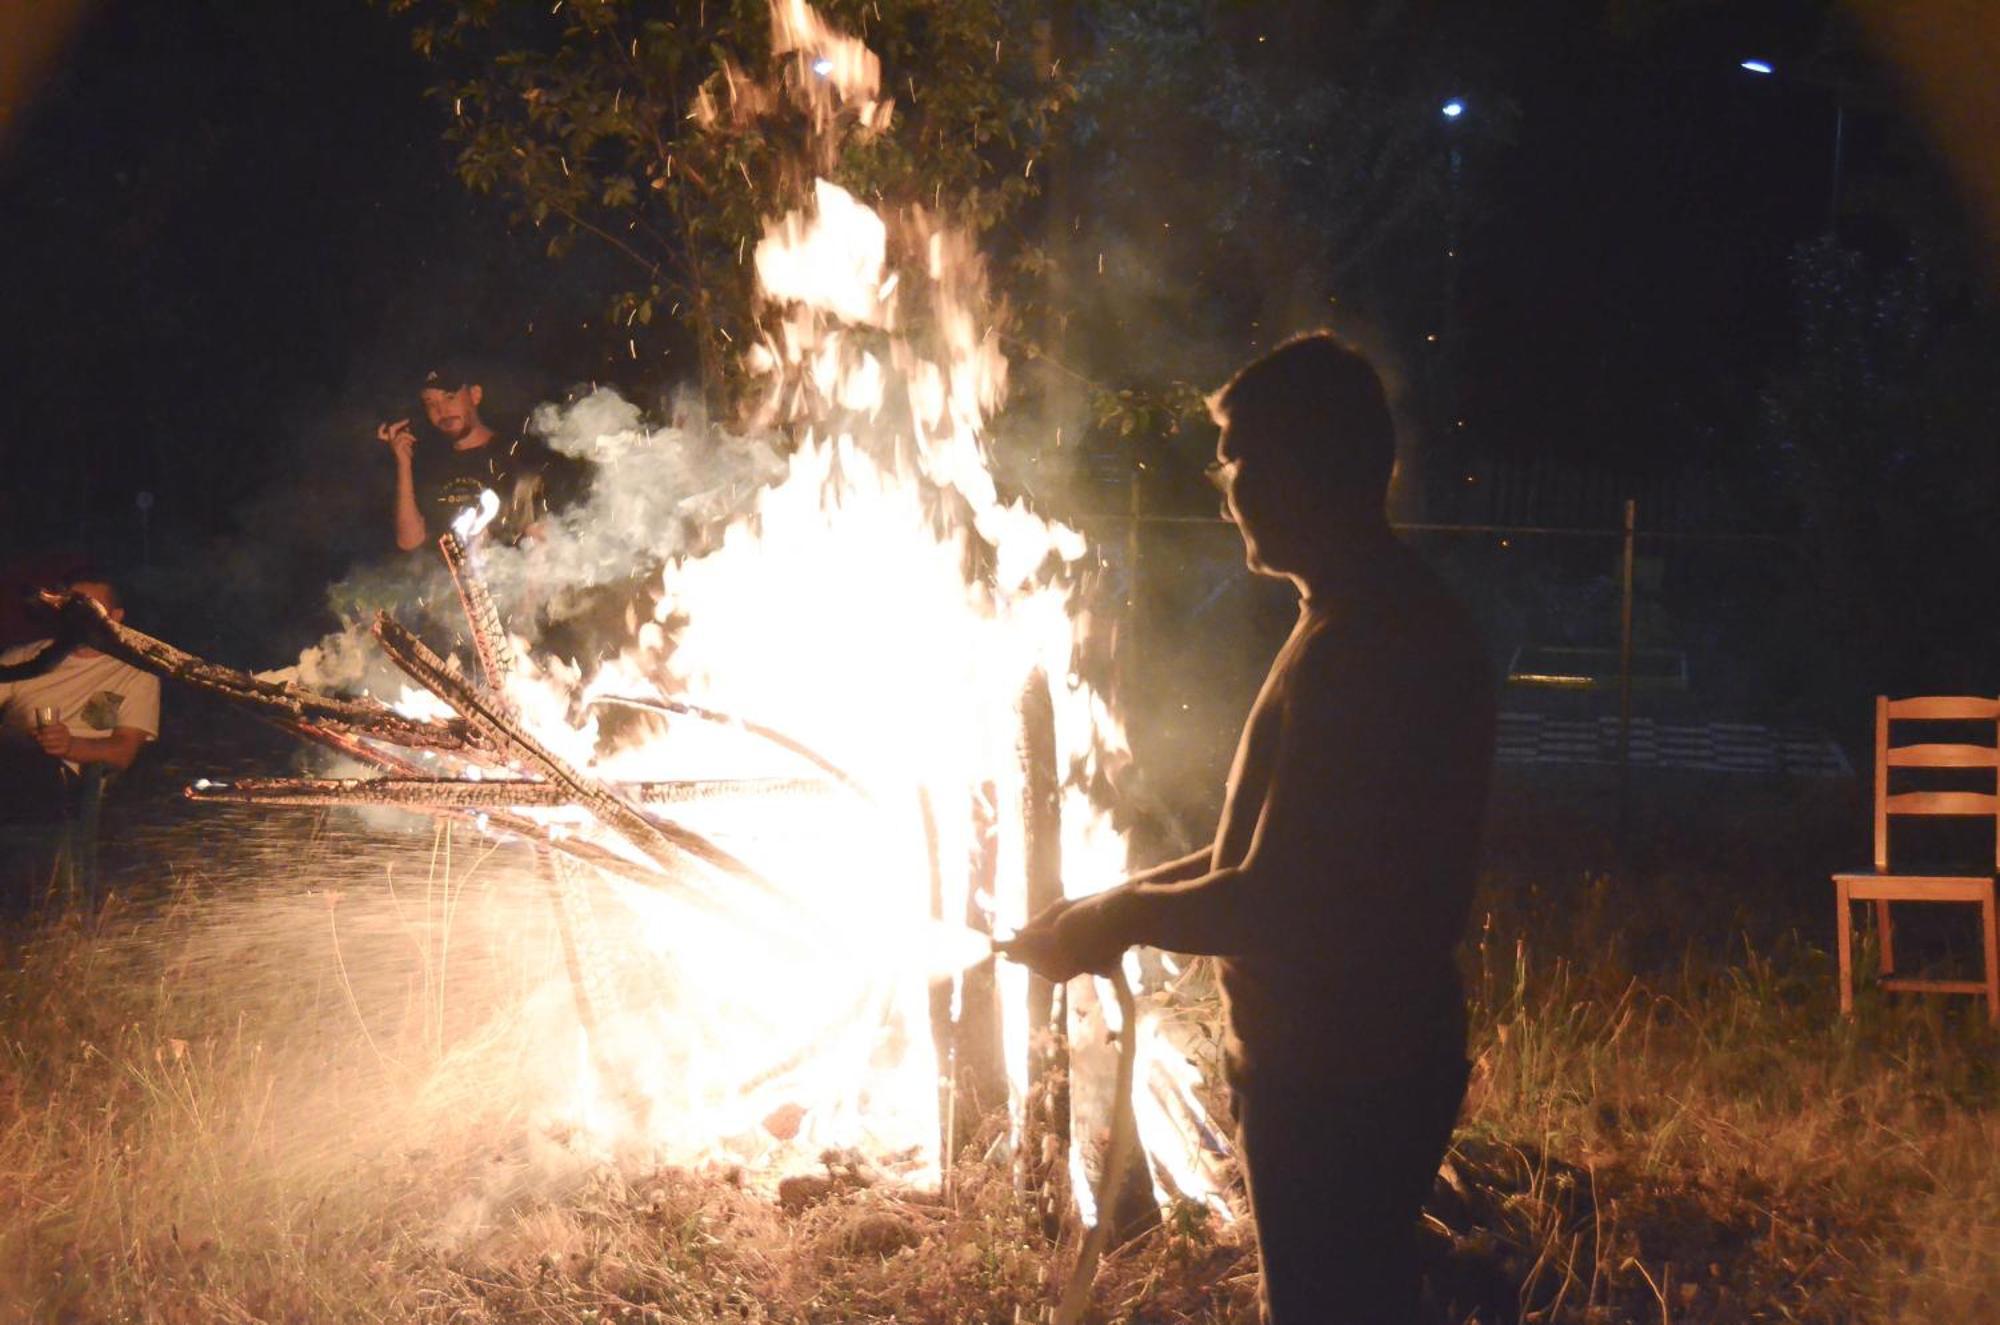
(61, 715)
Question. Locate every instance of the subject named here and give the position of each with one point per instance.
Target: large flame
(885, 608)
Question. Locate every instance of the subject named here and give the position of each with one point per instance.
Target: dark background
(233, 243)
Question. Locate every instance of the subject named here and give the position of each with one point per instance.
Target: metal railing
(1627, 534)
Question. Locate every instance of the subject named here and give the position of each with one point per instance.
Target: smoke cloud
(580, 585)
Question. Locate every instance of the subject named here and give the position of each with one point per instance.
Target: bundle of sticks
(482, 764)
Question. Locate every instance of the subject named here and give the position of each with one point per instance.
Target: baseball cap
(450, 373)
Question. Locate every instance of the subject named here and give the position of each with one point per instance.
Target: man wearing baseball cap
(436, 482)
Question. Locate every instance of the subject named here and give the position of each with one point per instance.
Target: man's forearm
(116, 751)
(1217, 914)
(1191, 866)
(409, 522)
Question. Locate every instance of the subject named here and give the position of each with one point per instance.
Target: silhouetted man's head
(1306, 452)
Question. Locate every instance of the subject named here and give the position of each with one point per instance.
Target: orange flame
(885, 607)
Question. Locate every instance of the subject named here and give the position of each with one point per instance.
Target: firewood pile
(483, 765)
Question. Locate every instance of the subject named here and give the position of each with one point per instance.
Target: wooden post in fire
(944, 1033)
(1042, 1163)
(979, 1076)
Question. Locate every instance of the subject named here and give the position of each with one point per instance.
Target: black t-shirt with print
(530, 479)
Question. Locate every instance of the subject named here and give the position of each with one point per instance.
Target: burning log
(665, 844)
(579, 849)
(943, 1029)
(761, 732)
(354, 747)
(978, 1059)
(1118, 1162)
(428, 793)
(489, 637)
(283, 703)
(1042, 1164)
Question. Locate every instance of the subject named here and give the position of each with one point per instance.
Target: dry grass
(279, 1104)
(1712, 1142)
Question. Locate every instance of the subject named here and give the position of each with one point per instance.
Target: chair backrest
(1964, 712)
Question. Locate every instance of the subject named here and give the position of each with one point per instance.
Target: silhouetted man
(1338, 883)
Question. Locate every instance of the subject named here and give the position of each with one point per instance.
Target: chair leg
(1991, 937)
(1844, 927)
(1885, 932)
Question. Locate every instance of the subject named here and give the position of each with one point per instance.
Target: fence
(1521, 491)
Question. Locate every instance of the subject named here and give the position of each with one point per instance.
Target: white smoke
(655, 493)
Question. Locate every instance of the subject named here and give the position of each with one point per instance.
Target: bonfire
(852, 743)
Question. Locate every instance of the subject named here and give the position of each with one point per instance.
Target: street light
(1765, 69)
(1452, 109)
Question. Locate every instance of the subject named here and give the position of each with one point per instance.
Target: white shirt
(93, 694)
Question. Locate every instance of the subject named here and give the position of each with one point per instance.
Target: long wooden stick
(288, 703)
(771, 734)
(489, 636)
(429, 793)
(1124, 1133)
(665, 844)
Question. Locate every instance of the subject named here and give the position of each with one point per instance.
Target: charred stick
(70, 633)
(576, 848)
(291, 704)
(662, 843)
(576, 925)
(428, 793)
(354, 747)
(757, 729)
(582, 950)
(579, 850)
(489, 636)
(1124, 1135)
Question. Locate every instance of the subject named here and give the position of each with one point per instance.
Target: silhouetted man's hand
(1086, 934)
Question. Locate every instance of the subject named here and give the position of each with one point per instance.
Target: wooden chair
(1882, 885)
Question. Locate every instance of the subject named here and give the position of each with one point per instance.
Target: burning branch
(427, 793)
(761, 732)
(489, 637)
(283, 703)
(665, 844)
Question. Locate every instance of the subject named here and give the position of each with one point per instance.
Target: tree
(1252, 171)
(606, 122)
(1880, 441)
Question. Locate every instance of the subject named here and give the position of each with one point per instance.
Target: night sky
(233, 242)
(1631, 289)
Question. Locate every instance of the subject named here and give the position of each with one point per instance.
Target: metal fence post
(1625, 675)
(1131, 642)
